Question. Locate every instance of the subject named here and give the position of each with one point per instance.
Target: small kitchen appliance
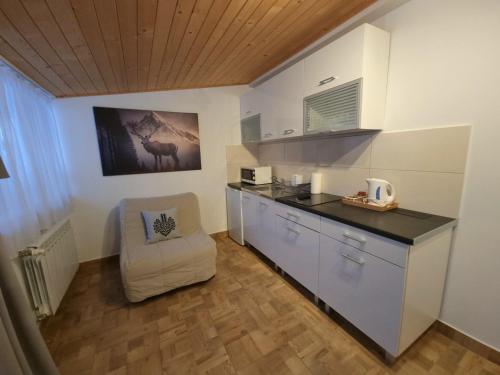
(380, 192)
(297, 179)
(256, 175)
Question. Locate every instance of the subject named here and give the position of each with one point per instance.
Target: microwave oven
(256, 175)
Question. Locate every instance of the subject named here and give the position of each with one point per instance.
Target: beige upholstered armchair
(151, 269)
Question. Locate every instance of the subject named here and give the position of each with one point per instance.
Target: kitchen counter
(409, 227)
(402, 225)
(267, 190)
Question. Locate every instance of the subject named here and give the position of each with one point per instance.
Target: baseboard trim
(468, 342)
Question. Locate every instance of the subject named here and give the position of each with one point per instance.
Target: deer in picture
(155, 148)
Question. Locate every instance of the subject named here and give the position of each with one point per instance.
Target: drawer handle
(359, 261)
(267, 135)
(289, 131)
(247, 112)
(293, 215)
(293, 230)
(263, 204)
(326, 80)
(355, 237)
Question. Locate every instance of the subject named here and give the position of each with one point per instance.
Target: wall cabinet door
(250, 104)
(283, 95)
(250, 129)
(335, 64)
(364, 289)
(249, 208)
(297, 252)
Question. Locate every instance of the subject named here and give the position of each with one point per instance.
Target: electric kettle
(380, 192)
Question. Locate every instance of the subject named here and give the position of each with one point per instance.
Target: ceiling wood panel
(88, 47)
(127, 15)
(42, 16)
(63, 14)
(164, 17)
(263, 14)
(293, 20)
(107, 17)
(11, 55)
(86, 16)
(198, 16)
(240, 26)
(181, 18)
(232, 12)
(209, 26)
(23, 23)
(21, 46)
(274, 52)
(146, 18)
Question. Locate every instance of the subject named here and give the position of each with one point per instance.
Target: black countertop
(401, 225)
(267, 190)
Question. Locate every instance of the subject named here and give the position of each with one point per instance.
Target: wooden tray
(369, 206)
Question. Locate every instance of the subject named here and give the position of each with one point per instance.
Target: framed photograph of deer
(135, 141)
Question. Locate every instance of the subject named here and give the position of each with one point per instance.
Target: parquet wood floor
(245, 320)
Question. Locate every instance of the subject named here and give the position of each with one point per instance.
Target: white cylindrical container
(296, 179)
(316, 183)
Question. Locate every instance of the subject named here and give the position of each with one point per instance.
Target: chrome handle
(293, 215)
(354, 237)
(289, 131)
(293, 230)
(247, 112)
(267, 135)
(326, 80)
(359, 261)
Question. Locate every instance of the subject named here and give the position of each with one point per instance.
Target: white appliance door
(234, 215)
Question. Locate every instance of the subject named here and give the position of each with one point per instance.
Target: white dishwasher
(234, 215)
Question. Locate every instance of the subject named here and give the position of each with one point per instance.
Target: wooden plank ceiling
(88, 47)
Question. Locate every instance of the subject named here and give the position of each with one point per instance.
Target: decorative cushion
(161, 225)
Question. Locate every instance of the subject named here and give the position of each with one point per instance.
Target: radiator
(49, 266)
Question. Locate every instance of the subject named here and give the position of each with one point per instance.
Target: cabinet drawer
(299, 216)
(297, 252)
(364, 289)
(387, 249)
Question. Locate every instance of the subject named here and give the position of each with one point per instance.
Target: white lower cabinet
(297, 252)
(259, 223)
(266, 224)
(389, 290)
(249, 208)
(366, 290)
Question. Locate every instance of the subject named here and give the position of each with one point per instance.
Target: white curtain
(36, 195)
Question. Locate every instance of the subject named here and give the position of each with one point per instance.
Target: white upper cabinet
(282, 99)
(345, 82)
(341, 87)
(250, 104)
(339, 62)
(251, 117)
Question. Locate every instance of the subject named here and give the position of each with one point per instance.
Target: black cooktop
(312, 199)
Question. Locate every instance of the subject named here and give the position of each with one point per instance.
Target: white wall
(96, 197)
(445, 69)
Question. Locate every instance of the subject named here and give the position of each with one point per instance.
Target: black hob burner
(312, 199)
